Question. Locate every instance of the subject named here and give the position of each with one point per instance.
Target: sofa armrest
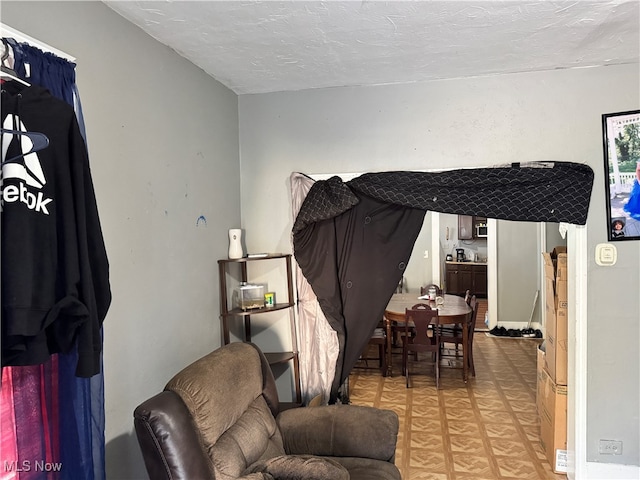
(340, 431)
(169, 440)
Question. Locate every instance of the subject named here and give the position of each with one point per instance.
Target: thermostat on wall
(606, 254)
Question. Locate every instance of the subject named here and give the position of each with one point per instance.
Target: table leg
(465, 352)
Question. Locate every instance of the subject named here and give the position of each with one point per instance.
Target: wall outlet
(610, 447)
(426, 254)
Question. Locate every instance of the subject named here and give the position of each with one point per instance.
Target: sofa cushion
(301, 467)
(340, 431)
(254, 437)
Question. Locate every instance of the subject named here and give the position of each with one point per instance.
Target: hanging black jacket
(55, 273)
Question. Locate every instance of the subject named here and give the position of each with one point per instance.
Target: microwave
(481, 230)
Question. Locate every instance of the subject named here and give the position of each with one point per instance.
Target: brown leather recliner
(219, 419)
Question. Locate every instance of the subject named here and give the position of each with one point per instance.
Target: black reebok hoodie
(55, 273)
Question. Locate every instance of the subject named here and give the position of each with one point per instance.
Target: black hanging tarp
(352, 240)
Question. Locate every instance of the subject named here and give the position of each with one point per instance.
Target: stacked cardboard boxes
(552, 362)
(555, 264)
(552, 411)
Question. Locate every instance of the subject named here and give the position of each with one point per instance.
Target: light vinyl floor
(487, 429)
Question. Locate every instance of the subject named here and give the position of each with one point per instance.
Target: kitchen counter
(453, 262)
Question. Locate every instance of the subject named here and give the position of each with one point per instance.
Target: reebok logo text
(26, 169)
(19, 193)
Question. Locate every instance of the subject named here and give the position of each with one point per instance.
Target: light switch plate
(606, 254)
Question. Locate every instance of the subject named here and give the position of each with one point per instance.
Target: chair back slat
(422, 334)
(475, 306)
(424, 290)
(422, 317)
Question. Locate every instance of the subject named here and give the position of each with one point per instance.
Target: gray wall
(553, 237)
(467, 122)
(163, 146)
(519, 256)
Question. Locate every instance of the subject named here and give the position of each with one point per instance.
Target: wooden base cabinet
(230, 312)
(479, 274)
(460, 277)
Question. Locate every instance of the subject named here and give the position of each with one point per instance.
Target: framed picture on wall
(622, 174)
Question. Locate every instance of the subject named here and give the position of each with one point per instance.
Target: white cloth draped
(318, 342)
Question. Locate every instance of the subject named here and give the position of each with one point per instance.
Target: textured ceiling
(257, 47)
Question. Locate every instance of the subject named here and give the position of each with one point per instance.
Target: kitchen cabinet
(230, 312)
(458, 277)
(467, 226)
(452, 285)
(479, 281)
(463, 276)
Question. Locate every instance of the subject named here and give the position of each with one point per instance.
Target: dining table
(452, 311)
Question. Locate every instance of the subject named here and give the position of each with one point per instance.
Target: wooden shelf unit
(228, 312)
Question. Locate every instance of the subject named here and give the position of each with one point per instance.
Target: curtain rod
(8, 31)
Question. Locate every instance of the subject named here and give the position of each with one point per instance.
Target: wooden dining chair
(454, 336)
(424, 290)
(420, 338)
(449, 331)
(475, 305)
(379, 341)
(396, 330)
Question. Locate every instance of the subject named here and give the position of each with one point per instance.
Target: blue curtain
(48, 413)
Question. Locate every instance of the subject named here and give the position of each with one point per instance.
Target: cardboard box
(550, 301)
(552, 404)
(559, 256)
(555, 314)
(549, 267)
(561, 291)
(549, 282)
(560, 303)
(561, 276)
(556, 346)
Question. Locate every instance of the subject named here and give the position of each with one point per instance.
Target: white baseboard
(612, 471)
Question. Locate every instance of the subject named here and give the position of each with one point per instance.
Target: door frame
(577, 256)
(578, 261)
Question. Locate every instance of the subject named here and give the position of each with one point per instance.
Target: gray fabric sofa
(220, 418)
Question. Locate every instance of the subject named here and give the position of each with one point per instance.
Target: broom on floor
(530, 332)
